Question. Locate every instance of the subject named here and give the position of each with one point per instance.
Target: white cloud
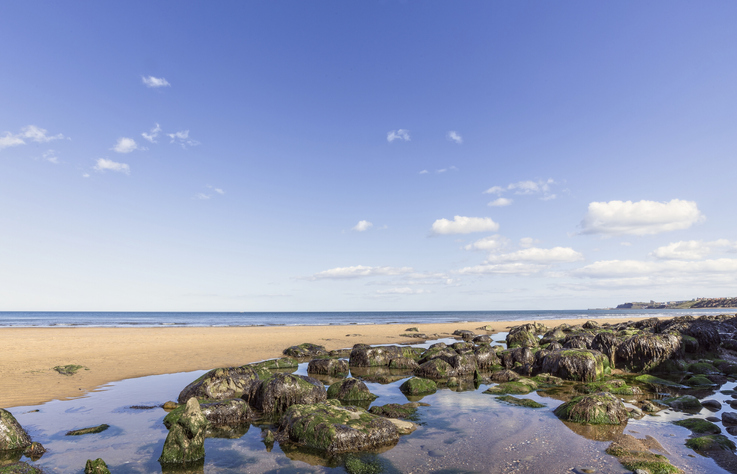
(494, 190)
(493, 242)
(400, 134)
(402, 291)
(151, 81)
(693, 249)
(219, 191)
(538, 256)
(30, 132)
(527, 242)
(449, 168)
(528, 187)
(362, 226)
(640, 218)
(202, 196)
(455, 137)
(126, 145)
(104, 164)
(85, 175)
(153, 134)
(464, 225)
(424, 172)
(359, 271)
(182, 138)
(500, 202)
(633, 268)
(51, 157)
(503, 268)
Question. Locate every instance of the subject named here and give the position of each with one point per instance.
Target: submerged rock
(223, 383)
(185, 442)
(12, 434)
(595, 409)
(90, 430)
(350, 389)
(97, 466)
(333, 429)
(395, 410)
(283, 390)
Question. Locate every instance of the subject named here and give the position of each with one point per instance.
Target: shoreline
(112, 354)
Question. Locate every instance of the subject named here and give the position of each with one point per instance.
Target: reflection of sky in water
(460, 432)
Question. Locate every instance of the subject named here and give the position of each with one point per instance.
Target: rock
(460, 346)
(19, 467)
(520, 386)
(483, 339)
(488, 327)
(221, 384)
(636, 453)
(501, 376)
(464, 334)
(350, 389)
(486, 357)
(412, 329)
(729, 418)
(170, 405)
(403, 427)
(34, 451)
(521, 336)
(395, 410)
(327, 366)
(712, 405)
(403, 363)
(305, 350)
(555, 335)
(521, 402)
(684, 403)
(643, 352)
(276, 364)
(185, 442)
(578, 341)
(704, 333)
(520, 360)
(591, 325)
(649, 407)
(90, 430)
(575, 364)
(436, 353)
(595, 409)
(234, 411)
(714, 442)
(434, 369)
(363, 355)
(97, 466)
(333, 429)
(12, 434)
(418, 386)
(606, 343)
(283, 390)
(699, 426)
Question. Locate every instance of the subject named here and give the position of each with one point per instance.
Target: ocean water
(156, 319)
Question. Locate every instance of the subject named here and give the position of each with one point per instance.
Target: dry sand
(28, 355)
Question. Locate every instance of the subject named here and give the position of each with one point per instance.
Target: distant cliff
(692, 304)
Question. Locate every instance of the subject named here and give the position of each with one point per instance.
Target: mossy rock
(418, 386)
(521, 338)
(394, 410)
(70, 369)
(435, 369)
(97, 466)
(185, 442)
(615, 386)
(230, 412)
(699, 381)
(273, 397)
(652, 380)
(305, 350)
(275, 364)
(547, 380)
(223, 383)
(519, 387)
(350, 389)
(576, 364)
(403, 363)
(90, 430)
(332, 429)
(356, 465)
(522, 402)
(702, 368)
(19, 467)
(712, 442)
(698, 425)
(327, 366)
(12, 434)
(684, 403)
(596, 409)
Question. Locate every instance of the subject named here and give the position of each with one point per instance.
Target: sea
(239, 319)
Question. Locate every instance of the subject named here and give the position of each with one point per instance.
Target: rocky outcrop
(522, 336)
(575, 364)
(350, 389)
(486, 357)
(221, 384)
(363, 355)
(185, 442)
(333, 429)
(283, 390)
(595, 409)
(97, 466)
(418, 386)
(643, 352)
(327, 366)
(12, 435)
(435, 369)
(306, 350)
(234, 411)
(606, 343)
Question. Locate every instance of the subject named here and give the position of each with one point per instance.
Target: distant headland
(690, 304)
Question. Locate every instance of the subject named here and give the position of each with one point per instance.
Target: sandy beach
(28, 355)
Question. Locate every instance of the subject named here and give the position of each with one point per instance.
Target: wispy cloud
(30, 132)
(126, 145)
(103, 164)
(693, 249)
(464, 225)
(529, 187)
(359, 271)
(640, 218)
(153, 134)
(205, 196)
(151, 81)
(424, 172)
(362, 226)
(500, 202)
(454, 137)
(490, 243)
(202, 196)
(182, 138)
(50, 156)
(443, 170)
(400, 134)
(402, 291)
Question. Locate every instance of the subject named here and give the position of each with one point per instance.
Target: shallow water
(460, 432)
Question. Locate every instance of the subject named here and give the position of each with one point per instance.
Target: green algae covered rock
(520, 387)
(576, 364)
(19, 467)
(435, 369)
(283, 390)
(713, 442)
(221, 384)
(521, 338)
(97, 466)
(418, 386)
(683, 403)
(635, 455)
(90, 430)
(276, 364)
(305, 350)
(615, 386)
(395, 410)
(332, 429)
(697, 425)
(643, 352)
(327, 366)
(363, 355)
(522, 402)
(12, 434)
(597, 409)
(233, 411)
(350, 389)
(652, 380)
(185, 442)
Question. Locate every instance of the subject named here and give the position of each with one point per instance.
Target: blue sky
(310, 156)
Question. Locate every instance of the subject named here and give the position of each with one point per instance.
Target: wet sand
(28, 355)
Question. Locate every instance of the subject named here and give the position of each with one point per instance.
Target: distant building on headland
(683, 304)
